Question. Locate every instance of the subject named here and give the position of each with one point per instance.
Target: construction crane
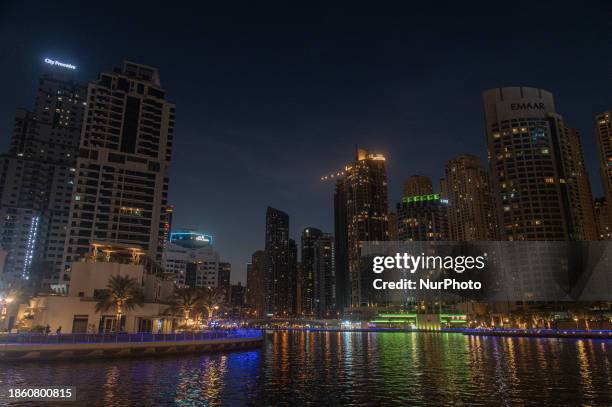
(333, 175)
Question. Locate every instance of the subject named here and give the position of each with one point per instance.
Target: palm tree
(212, 300)
(184, 301)
(123, 294)
(10, 290)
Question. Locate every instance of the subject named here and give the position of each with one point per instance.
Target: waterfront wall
(121, 347)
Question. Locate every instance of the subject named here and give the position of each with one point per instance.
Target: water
(325, 368)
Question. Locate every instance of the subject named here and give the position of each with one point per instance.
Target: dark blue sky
(269, 98)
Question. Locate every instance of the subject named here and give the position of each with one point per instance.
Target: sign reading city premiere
(58, 63)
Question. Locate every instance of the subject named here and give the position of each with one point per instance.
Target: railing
(128, 337)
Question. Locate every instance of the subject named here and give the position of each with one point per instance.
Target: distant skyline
(270, 98)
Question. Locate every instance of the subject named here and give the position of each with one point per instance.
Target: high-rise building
(223, 279)
(343, 282)
(603, 219)
(237, 295)
(318, 275)
(393, 231)
(167, 212)
(37, 178)
(279, 296)
(576, 190)
(537, 173)
(293, 278)
(125, 150)
(418, 185)
(189, 259)
(257, 284)
(310, 238)
(361, 209)
(603, 132)
(471, 209)
(422, 218)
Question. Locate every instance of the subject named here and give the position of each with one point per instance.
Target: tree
(184, 301)
(212, 300)
(9, 289)
(123, 293)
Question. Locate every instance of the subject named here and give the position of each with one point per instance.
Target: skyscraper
(393, 231)
(257, 284)
(603, 133)
(603, 218)
(292, 279)
(576, 189)
(318, 274)
(37, 178)
(279, 296)
(418, 185)
(422, 217)
(310, 238)
(361, 208)
(343, 283)
(537, 172)
(471, 209)
(223, 279)
(124, 154)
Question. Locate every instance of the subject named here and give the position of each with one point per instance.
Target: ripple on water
(352, 368)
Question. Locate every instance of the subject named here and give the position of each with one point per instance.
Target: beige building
(76, 311)
(121, 180)
(539, 181)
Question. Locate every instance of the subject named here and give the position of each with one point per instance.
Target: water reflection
(326, 368)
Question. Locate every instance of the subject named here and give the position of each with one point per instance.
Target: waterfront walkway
(65, 346)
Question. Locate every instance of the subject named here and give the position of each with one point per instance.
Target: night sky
(269, 99)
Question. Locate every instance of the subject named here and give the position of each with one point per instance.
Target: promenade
(66, 346)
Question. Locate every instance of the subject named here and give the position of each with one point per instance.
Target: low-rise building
(76, 311)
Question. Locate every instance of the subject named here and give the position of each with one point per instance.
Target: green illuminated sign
(421, 198)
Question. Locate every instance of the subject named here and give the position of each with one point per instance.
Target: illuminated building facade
(166, 222)
(237, 296)
(125, 150)
(361, 208)
(257, 284)
(37, 177)
(280, 278)
(603, 133)
(422, 218)
(223, 278)
(471, 209)
(603, 219)
(538, 177)
(189, 259)
(343, 283)
(318, 280)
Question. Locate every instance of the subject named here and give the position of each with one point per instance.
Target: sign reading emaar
(58, 63)
(527, 106)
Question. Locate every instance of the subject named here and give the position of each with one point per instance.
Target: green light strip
(421, 198)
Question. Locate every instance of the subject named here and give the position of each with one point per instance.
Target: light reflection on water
(332, 368)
